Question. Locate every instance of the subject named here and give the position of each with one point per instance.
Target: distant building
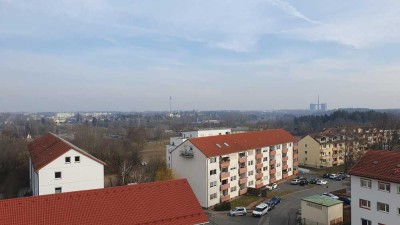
(318, 107)
(222, 167)
(375, 188)
(322, 210)
(57, 166)
(158, 203)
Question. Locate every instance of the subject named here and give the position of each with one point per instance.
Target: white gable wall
(85, 175)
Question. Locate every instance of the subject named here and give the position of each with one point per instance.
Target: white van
(260, 210)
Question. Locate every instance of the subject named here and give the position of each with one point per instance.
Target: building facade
(222, 167)
(58, 166)
(375, 189)
(321, 210)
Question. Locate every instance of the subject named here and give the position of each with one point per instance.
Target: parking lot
(285, 212)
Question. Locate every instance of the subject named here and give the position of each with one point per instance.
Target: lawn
(244, 200)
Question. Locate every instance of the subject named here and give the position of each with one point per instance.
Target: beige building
(321, 210)
(322, 150)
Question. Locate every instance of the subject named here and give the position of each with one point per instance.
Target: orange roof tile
(379, 165)
(230, 143)
(166, 203)
(49, 147)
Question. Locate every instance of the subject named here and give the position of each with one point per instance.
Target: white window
(233, 178)
(382, 186)
(383, 207)
(250, 163)
(213, 172)
(57, 190)
(265, 168)
(213, 184)
(278, 147)
(251, 183)
(365, 204)
(265, 159)
(213, 196)
(213, 159)
(250, 173)
(57, 175)
(365, 183)
(233, 189)
(67, 159)
(365, 222)
(77, 159)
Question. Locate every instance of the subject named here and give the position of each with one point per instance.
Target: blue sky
(208, 55)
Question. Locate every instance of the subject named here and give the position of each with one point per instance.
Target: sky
(129, 55)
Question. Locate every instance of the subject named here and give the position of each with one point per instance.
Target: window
(250, 163)
(398, 211)
(365, 183)
(265, 159)
(383, 207)
(398, 189)
(213, 159)
(233, 189)
(305, 145)
(213, 196)
(213, 172)
(265, 168)
(233, 178)
(250, 173)
(265, 150)
(57, 190)
(77, 159)
(57, 175)
(365, 204)
(278, 147)
(305, 152)
(251, 183)
(233, 168)
(278, 164)
(68, 159)
(265, 178)
(213, 184)
(365, 222)
(382, 186)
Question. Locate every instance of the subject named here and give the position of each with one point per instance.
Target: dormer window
(77, 159)
(68, 159)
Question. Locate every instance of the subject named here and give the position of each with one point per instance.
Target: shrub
(224, 206)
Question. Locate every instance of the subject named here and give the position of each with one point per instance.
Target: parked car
(345, 200)
(238, 211)
(331, 195)
(270, 205)
(314, 180)
(340, 177)
(333, 176)
(326, 175)
(321, 182)
(343, 174)
(303, 182)
(275, 200)
(295, 181)
(260, 210)
(271, 187)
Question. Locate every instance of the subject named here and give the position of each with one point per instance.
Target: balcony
(272, 180)
(335, 155)
(295, 163)
(225, 175)
(295, 156)
(272, 153)
(243, 191)
(225, 186)
(259, 166)
(187, 154)
(259, 156)
(295, 172)
(272, 162)
(284, 176)
(242, 170)
(243, 159)
(259, 176)
(224, 164)
(259, 185)
(296, 147)
(334, 163)
(243, 180)
(285, 150)
(284, 159)
(225, 198)
(285, 167)
(272, 171)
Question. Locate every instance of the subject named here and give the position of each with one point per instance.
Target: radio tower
(170, 104)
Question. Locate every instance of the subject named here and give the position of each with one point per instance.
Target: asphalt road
(285, 212)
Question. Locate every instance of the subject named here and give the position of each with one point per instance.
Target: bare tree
(139, 174)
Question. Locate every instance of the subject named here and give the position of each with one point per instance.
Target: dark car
(314, 181)
(270, 205)
(345, 200)
(275, 200)
(303, 182)
(340, 177)
(326, 175)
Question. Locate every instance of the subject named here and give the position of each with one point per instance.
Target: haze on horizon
(81, 55)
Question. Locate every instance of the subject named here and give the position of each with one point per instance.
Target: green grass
(334, 169)
(244, 200)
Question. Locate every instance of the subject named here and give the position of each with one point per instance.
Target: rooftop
(166, 203)
(322, 200)
(380, 165)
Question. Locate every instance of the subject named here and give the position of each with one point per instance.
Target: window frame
(386, 209)
(55, 175)
(369, 222)
(213, 159)
(213, 172)
(79, 159)
(385, 184)
(361, 205)
(67, 161)
(369, 181)
(56, 191)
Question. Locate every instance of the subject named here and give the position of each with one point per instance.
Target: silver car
(238, 211)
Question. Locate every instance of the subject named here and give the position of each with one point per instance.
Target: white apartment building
(375, 189)
(176, 141)
(56, 166)
(222, 167)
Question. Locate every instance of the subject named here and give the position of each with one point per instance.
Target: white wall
(88, 174)
(374, 195)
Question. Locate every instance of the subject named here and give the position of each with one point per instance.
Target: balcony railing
(295, 172)
(284, 159)
(295, 156)
(225, 175)
(296, 147)
(285, 167)
(225, 186)
(243, 191)
(295, 163)
(272, 162)
(259, 185)
(272, 180)
(285, 150)
(259, 156)
(224, 164)
(242, 159)
(272, 171)
(272, 153)
(225, 198)
(285, 175)
(187, 154)
(242, 170)
(243, 180)
(259, 166)
(259, 176)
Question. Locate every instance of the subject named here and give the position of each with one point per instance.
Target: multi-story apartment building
(375, 189)
(222, 167)
(176, 141)
(56, 166)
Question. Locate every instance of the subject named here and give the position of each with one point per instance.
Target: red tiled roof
(379, 165)
(241, 141)
(49, 147)
(166, 203)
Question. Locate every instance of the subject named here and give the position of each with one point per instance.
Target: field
(154, 150)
